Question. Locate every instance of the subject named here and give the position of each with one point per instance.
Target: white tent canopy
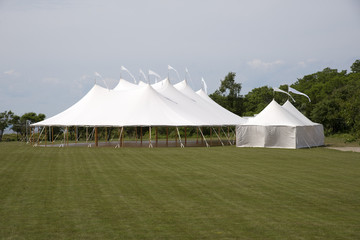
(277, 127)
(129, 104)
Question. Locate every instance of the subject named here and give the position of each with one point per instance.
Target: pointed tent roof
(274, 115)
(138, 105)
(211, 106)
(125, 85)
(289, 107)
(187, 105)
(142, 106)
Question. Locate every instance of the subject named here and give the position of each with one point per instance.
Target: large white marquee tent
(279, 127)
(160, 104)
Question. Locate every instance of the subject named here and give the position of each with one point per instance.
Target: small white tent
(315, 131)
(276, 127)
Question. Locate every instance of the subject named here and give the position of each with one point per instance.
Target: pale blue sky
(49, 50)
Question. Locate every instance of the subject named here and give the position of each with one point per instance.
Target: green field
(173, 193)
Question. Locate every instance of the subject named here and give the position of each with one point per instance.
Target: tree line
(335, 98)
(18, 124)
(335, 101)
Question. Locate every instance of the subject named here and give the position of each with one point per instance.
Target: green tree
(355, 67)
(16, 126)
(5, 119)
(228, 94)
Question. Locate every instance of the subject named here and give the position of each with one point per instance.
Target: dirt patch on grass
(351, 149)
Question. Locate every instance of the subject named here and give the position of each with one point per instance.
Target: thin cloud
(259, 64)
(12, 72)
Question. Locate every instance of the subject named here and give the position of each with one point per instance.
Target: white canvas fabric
(136, 105)
(125, 85)
(277, 127)
(218, 112)
(314, 134)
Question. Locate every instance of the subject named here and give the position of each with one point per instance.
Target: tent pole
(96, 137)
(181, 145)
(167, 136)
(52, 135)
(67, 137)
(226, 137)
(45, 136)
(122, 136)
(203, 137)
(210, 136)
(150, 145)
(64, 136)
(156, 136)
(218, 137)
(136, 134)
(141, 135)
(105, 134)
(119, 137)
(87, 134)
(76, 134)
(37, 141)
(175, 140)
(197, 135)
(185, 136)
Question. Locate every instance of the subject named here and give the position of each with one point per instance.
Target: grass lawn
(173, 193)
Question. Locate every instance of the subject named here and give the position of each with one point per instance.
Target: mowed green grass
(173, 193)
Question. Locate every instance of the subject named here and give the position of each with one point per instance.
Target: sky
(50, 50)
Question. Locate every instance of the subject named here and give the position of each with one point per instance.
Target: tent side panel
(310, 136)
(250, 136)
(280, 137)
